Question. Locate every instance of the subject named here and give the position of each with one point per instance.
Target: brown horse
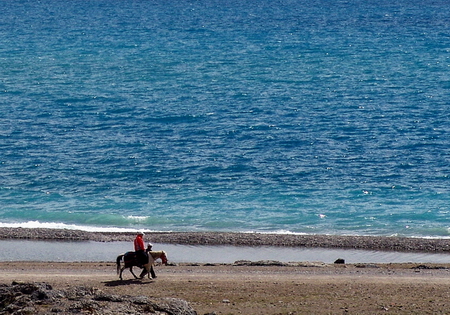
(130, 261)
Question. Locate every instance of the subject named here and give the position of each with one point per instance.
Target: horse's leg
(120, 274)
(143, 273)
(119, 268)
(131, 270)
(152, 271)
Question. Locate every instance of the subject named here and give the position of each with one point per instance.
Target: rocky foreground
(41, 298)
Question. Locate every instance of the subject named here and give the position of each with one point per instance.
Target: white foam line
(64, 226)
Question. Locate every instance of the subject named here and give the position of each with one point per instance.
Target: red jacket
(139, 243)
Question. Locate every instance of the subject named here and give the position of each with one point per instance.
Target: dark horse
(130, 261)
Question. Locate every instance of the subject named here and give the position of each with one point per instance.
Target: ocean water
(285, 116)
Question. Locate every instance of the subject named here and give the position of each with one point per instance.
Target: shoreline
(381, 243)
(246, 286)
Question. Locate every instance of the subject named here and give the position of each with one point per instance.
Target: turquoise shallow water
(289, 116)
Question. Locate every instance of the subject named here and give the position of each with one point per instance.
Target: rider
(139, 248)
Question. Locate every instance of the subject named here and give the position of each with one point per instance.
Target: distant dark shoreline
(238, 239)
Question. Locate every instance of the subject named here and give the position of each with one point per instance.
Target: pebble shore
(238, 239)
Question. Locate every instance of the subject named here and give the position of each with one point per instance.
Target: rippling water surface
(287, 116)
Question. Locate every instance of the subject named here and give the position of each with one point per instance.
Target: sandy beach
(232, 289)
(257, 288)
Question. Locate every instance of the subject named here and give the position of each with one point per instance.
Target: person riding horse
(129, 259)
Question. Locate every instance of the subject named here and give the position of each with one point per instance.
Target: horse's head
(164, 258)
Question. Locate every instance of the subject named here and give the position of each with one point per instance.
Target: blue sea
(281, 116)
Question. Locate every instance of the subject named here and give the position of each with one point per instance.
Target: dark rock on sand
(259, 263)
(40, 298)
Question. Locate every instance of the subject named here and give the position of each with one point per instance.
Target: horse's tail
(118, 259)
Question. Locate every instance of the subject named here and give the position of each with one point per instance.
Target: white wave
(57, 225)
(64, 226)
(137, 218)
(277, 232)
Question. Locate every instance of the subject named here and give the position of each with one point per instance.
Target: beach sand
(247, 288)
(231, 289)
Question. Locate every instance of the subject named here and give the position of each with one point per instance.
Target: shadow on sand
(115, 283)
